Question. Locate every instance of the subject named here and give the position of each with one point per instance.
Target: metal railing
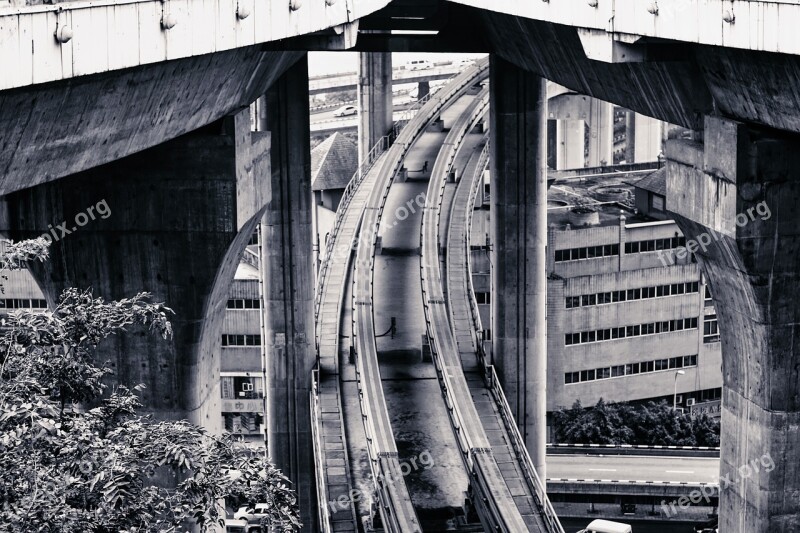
(493, 382)
(316, 426)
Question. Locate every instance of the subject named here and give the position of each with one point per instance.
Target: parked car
(345, 110)
(709, 526)
(251, 513)
(242, 526)
(607, 526)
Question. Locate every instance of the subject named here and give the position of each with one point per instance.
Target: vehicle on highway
(345, 110)
(259, 511)
(709, 526)
(607, 526)
(242, 526)
(418, 64)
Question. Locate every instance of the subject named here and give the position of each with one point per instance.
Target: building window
(483, 298)
(22, 303)
(238, 341)
(658, 291)
(710, 329)
(657, 365)
(241, 387)
(653, 245)
(244, 303)
(588, 252)
(634, 330)
(657, 202)
(708, 301)
(243, 423)
(253, 238)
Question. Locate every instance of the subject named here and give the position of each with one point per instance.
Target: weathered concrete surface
(692, 81)
(519, 237)
(287, 270)
(737, 192)
(58, 129)
(180, 216)
(374, 99)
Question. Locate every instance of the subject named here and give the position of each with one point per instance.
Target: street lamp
(675, 389)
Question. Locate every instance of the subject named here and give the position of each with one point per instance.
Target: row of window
(587, 252)
(653, 245)
(630, 369)
(634, 247)
(241, 340)
(241, 387)
(637, 330)
(239, 303)
(658, 291)
(22, 303)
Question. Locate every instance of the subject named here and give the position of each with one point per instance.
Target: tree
(650, 423)
(75, 457)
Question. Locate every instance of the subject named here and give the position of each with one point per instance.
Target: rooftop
(333, 163)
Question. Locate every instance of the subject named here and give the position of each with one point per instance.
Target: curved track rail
(462, 304)
(492, 498)
(395, 502)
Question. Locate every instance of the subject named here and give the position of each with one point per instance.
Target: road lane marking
(603, 469)
(679, 471)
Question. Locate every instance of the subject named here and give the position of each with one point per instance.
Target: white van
(606, 526)
(418, 64)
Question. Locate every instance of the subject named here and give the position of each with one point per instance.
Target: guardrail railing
(316, 426)
(493, 383)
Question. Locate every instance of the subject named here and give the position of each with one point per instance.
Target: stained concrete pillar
(601, 133)
(374, 99)
(647, 139)
(287, 270)
(519, 236)
(734, 196)
(570, 144)
(172, 220)
(423, 89)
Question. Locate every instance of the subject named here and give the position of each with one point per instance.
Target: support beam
(570, 144)
(287, 270)
(601, 133)
(172, 220)
(734, 196)
(374, 99)
(423, 89)
(519, 236)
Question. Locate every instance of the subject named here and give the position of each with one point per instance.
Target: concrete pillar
(601, 133)
(519, 237)
(423, 89)
(735, 196)
(630, 136)
(287, 268)
(374, 99)
(570, 144)
(172, 220)
(647, 142)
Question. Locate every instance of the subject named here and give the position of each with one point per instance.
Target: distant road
(634, 468)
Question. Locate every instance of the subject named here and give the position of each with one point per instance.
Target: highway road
(633, 468)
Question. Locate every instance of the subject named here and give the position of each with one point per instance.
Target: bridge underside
(184, 204)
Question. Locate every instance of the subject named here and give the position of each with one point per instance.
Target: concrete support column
(172, 220)
(374, 99)
(423, 89)
(734, 196)
(519, 237)
(287, 268)
(647, 139)
(570, 144)
(601, 133)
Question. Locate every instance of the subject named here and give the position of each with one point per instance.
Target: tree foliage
(650, 423)
(76, 457)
